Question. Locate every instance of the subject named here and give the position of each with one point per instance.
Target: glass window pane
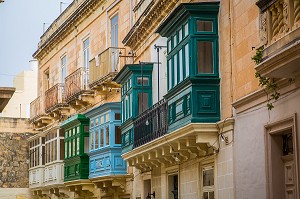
(187, 60)
(208, 177)
(205, 56)
(186, 29)
(117, 135)
(107, 136)
(101, 137)
(143, 81)
(180, 66)
(204, 26)
(180, 35)
(70, 149)
(107, 118)
(142, 102)
(170, 73)
(74, 149)
(174, 41)
(169, 46)
(117, 116)
(92, 140)
(54, 145)
(96, 139)
(78, 145)
(175, 69)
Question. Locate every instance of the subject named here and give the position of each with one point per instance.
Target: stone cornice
(259, 96)
(148, 22)
(60, 28)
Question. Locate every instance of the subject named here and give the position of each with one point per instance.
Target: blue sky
(21, 25)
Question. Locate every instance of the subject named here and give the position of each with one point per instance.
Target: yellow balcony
(280, 34)
(77, 90)
(104, 67)
(54, 100)
(37, 113)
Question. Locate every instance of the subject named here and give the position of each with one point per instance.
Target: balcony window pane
(174, 41)
(143, 81)
(169, 45)
(204, 26)
(70, 149)
(180, 66)
(96, 139)
(78, 145)
(86, 144)
(175, 69)
(73, 147)
(54, 150)
(170, 73)
(205, 56)
(107, 136)
(62, 149)
(101, 137)
(107, 118)
(142, 102)
(92, 140)
(186, 29)
(187, 60)
(117, 116)
(66, 150)
(208, 177)
(117, 135)
(180, 35)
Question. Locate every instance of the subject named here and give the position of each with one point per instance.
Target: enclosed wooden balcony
(55, 104)
(37, 113)
(280, 37)
(151, 124)
(104, 67)
(77, 91)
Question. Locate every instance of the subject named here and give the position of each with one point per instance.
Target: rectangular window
(204, 26)
(86, 53)
(70, 148)
(66, 150)
(63, 68)
(117, 116)
(143, 81)
(169, 45)
(205, 56)
(107, 136)
(142, 102)
(73, 147)
(173, 186)
(187, 60)
(180, 66)
(208, 182)
(117, 135)
(114, 31)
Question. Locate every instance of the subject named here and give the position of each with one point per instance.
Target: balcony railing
(76, 83)
(151, 124)
(105, 65)
(54, 97)
(278, 18)
(36, 108)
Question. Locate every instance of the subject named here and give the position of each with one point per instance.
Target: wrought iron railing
(151, 124)
(36, 108)
(54, 97)
(76, 83)
(106, 63)
(278, 18)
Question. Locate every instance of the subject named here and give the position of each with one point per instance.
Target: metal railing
(151, 124)
(36, 108)
(107, 62)
(76, 83)
(278, 18)
(54, 97)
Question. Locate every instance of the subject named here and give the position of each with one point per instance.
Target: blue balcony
(105, 141)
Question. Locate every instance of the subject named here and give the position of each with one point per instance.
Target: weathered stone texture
(14, 152)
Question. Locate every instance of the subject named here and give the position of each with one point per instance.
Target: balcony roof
(6, 94)
(74, 120)
(128, 69)
(103, 108)
(181, 13)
